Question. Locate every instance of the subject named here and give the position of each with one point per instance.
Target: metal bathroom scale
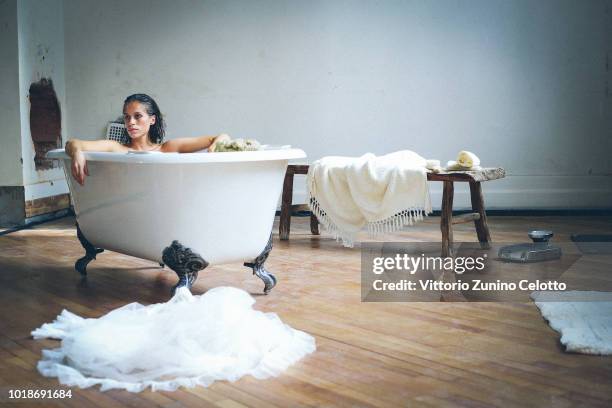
(537, 251)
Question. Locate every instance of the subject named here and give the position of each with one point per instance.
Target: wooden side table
(478, 216)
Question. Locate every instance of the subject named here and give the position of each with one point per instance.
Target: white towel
(383, 193)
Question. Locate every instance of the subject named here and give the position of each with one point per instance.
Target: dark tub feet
(268, 279)
(184, 262)
(90, 252)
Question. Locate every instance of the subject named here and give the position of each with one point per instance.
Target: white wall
(41, 55)
(10, 137)
(522, 83)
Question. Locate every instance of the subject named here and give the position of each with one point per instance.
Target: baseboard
(511, 213)
(39, 219)
(46, 205)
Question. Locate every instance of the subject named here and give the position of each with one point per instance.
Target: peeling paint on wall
(45, 122)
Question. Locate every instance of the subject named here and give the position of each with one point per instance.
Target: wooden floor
(369, 354)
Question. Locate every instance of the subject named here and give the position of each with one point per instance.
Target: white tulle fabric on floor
(188, 341)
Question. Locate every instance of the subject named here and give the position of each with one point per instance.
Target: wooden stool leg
(482, 228)
(286, 201)
(314, 224)
(446, 219)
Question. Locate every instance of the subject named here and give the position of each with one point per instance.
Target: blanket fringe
(394, 223)
(329, 225)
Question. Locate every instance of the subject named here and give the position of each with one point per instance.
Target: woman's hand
(79, 167)
(221, 138)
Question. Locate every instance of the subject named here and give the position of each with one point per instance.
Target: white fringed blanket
(382, 193)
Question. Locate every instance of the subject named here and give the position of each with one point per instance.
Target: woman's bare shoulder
(169, 146)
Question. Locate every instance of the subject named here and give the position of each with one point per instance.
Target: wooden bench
(478, 216)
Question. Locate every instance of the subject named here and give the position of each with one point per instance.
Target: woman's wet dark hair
(158, 129)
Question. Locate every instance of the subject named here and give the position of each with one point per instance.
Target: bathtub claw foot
(184, 262)
(268, 279)
(90, 252)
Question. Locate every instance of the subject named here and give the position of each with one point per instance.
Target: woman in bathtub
(146, 128)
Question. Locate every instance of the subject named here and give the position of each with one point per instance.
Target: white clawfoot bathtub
(219, 205)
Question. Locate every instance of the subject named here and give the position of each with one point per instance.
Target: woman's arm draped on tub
(146, 129)
(76, 147)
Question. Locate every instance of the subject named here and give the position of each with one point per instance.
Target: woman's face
(137, 120)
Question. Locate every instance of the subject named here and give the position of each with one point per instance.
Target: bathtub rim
(181, 158)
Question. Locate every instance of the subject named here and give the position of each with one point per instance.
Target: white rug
(584, 319)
